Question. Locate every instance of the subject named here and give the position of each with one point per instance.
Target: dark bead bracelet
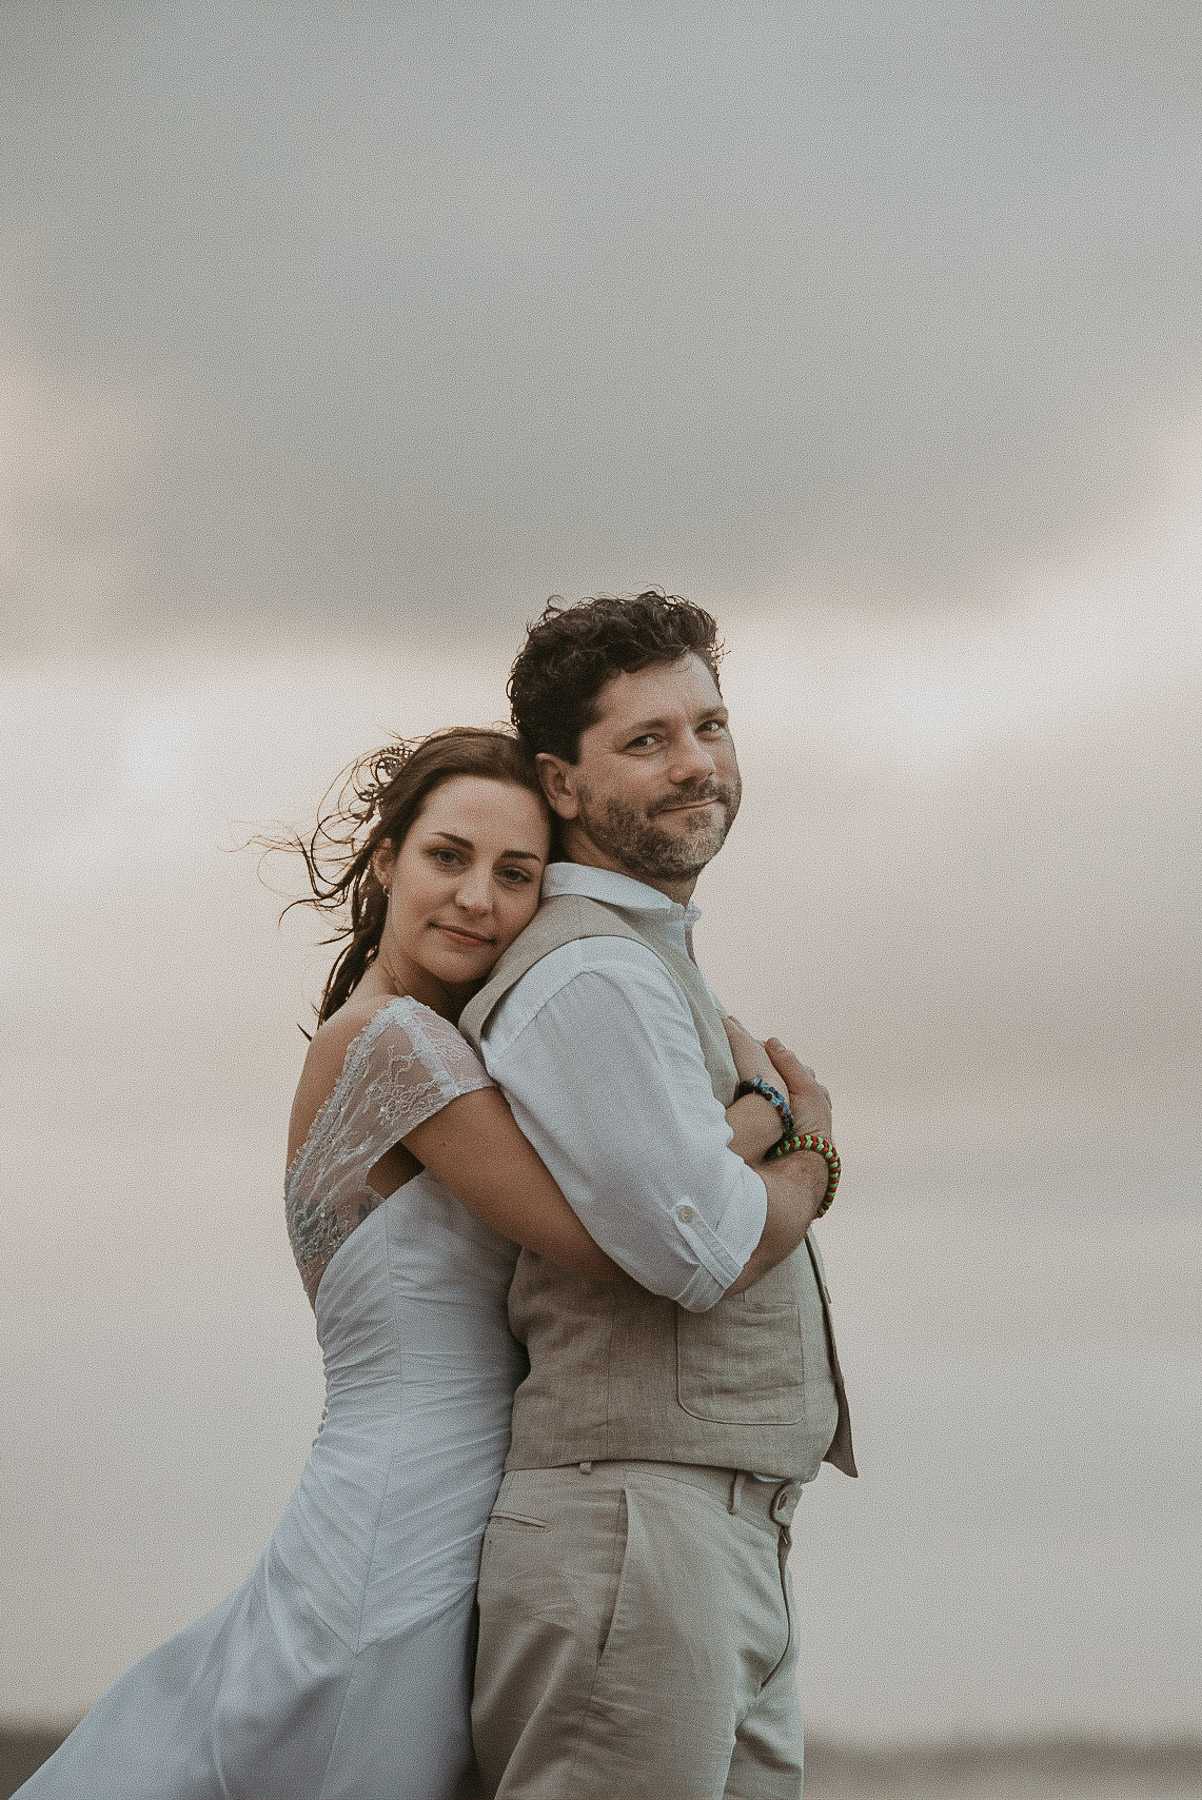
(774, 1097)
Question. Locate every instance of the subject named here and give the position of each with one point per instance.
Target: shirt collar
(618, 890)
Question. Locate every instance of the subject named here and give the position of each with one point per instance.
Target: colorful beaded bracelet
(774, 1097)
(825, 1149)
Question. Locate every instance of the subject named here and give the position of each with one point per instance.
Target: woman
(339, 1669)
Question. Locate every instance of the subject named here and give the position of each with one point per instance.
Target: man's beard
(651, 852)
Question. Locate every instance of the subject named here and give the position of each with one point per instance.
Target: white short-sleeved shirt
(596, 1051)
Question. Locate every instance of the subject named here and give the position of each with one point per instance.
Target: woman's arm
(755, 1123)
(475, 1149)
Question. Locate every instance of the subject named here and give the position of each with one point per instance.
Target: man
(637, 1629)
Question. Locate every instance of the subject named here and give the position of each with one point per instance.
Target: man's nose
(691, 760)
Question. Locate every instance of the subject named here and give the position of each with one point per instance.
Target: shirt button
(685, 1214)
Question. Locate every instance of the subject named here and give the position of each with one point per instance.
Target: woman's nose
(474, 893)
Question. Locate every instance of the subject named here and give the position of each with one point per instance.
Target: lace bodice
(405, 1065)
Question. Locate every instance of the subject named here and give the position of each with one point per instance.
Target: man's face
(656, 786)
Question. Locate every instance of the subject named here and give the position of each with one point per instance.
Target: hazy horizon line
(1104, 1749)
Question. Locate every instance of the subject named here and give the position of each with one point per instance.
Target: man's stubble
(648, 851)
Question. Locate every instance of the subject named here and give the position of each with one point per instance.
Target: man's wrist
(816, 1144)
(805, 1170)
(818, 1127)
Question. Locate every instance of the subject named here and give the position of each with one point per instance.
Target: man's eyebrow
(467, 844)
(709, 712)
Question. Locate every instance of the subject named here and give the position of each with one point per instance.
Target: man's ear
(559, 784)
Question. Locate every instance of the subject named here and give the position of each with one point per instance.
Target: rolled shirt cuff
(719, 1263)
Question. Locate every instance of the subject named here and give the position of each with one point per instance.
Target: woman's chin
(462, 968)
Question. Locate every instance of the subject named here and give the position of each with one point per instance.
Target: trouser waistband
(768, 1502)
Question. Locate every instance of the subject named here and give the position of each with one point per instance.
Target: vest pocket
(741, 1364)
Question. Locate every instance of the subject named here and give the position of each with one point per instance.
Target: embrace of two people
(552, 1209)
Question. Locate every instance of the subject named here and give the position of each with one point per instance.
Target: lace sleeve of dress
(405, 1065)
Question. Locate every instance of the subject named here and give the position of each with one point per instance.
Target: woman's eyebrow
(467, 844)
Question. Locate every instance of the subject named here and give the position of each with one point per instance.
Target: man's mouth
(689, 805)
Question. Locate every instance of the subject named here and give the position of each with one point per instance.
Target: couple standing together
(597, 1165)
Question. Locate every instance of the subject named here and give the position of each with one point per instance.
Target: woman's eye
(515, 877)
(444, 857)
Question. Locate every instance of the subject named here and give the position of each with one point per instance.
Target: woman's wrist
(756, 1084)
(754, 1126)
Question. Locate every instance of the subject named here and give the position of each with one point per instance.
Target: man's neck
(580, 849)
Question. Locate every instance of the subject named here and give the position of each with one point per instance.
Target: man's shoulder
(571, 935)
(564, 918)
(561, 921)
(592, 976)
(598, 952)
(583, 1002)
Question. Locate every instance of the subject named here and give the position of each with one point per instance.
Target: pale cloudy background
(332, 340)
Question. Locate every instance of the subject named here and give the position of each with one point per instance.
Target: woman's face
(465, 881)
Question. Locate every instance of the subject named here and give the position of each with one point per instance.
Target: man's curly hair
(572, 651)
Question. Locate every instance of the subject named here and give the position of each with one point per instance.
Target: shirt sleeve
(604, 1072)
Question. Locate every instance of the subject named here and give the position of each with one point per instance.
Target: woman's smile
(459, 934)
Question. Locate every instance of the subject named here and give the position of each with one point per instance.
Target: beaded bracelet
(825, 1149)
(774, 1097)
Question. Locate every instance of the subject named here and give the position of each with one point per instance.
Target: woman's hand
(754, 1121)
(751, 1058)
(809, 1101)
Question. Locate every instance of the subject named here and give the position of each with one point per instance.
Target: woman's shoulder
(376, 1045)
(367, 1017)
(386, 1025)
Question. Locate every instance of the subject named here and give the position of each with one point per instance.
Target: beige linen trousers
(638, 1638)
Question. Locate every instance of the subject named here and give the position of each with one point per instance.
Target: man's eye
(713, 725)
(640, 743)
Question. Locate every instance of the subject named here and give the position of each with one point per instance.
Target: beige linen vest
(617, 1373)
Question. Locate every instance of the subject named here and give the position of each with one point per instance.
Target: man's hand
(796, 1184)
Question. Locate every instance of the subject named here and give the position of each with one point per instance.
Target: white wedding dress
(339, 1669)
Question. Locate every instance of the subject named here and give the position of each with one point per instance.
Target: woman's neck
(392, 974)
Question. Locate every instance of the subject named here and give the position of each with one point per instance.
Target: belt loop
(586, 1468)
(736, 1488)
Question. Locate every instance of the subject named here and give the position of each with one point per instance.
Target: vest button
(684, 1214)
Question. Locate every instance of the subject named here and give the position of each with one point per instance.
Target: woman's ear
(558, 779)
(382, 859)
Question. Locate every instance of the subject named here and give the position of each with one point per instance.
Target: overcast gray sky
(371, 316)
(332, 340)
